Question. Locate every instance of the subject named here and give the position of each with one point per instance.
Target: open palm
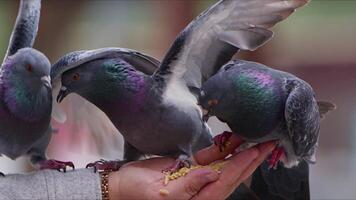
(144, 178)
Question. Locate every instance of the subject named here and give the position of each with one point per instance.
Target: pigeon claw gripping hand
(276, 155)
(57, 165)
(222, 140)
(107, 166)
(177, 165)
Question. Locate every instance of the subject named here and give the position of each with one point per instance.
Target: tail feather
(325, 107)
(282, 183)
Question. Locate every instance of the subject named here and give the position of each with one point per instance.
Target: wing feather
(26, 26)
(302, 118)
(215, 36)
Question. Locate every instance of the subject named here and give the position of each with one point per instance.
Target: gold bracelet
(104, 185)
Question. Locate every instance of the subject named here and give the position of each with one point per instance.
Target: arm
(142, 179)
(47, 184)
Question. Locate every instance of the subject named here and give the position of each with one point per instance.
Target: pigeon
(98, 123)
(26, 94)
(158, 114)
(262, 104)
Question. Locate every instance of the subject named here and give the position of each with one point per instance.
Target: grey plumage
(26, 94)
(98, 124)
(262, 104)
(25, 90)
(166, 120)
(26, 26)
(211, 40)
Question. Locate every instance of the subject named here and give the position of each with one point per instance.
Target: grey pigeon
(25, 93)
(158, 114)
(262, 104)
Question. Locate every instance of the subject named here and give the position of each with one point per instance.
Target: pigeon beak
(46, 80)
(206, 115)
(62, 93)
(205, 111)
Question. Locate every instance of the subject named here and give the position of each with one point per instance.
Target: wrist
(113, 183)
(109, 185)
(104, 184)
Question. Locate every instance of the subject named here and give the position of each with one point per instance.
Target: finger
(265, 149)
(188, 186)
(157, 163)
(230, 175)
(212, 153)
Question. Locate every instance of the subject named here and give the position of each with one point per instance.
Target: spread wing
(84, 114)
(26, 26)
(217, 34)
(302, 117)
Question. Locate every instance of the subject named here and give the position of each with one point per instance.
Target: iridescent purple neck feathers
(24, 91)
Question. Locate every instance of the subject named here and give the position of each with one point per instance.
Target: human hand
(144, 179)
(236, 170)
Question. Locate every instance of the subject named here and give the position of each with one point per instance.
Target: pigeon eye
(29, 67)
(76, 77)
(213, 102)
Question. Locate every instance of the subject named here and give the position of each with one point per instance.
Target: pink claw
(275, 157)
(222, 139)
(57, 165)
(103, 165)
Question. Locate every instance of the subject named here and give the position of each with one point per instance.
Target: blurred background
(317, 43)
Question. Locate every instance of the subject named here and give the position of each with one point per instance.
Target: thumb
(188, 186)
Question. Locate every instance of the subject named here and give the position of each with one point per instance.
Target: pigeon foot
(57, 165)
(275, 157)
(177, 165)
(107, 166)
(222, 140)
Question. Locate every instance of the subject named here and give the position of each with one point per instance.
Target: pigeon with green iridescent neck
(26, 94)
(262, 104)
(158, 114)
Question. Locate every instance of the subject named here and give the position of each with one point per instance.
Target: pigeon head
(101, 80)
(211, 96)
(215, 95)
(91, 80)
(28, 69)
(26, 82)
(77, 80)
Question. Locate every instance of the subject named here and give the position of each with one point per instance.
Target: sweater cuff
(78, 184)
(50, 184)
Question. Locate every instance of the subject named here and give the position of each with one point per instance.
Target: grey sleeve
(50, 184)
